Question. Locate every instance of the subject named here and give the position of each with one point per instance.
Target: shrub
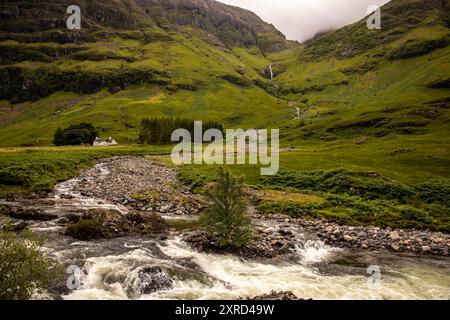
(341, 181)
(415, 215)
(24, 270)
(82, 133)
(193, 179)
(292, 209)
(434, 192)
(226, 216)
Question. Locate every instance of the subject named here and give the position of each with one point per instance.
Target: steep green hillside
(363, 84)
(134, 59)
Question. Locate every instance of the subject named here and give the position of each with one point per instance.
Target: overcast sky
(301, 19)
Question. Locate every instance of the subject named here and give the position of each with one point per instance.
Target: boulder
(348, 238)
(152, 279)
(394, 235)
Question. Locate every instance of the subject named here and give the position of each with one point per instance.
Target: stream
(152, 268)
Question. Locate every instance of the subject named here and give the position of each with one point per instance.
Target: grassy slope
(375, 184)
(190, 62)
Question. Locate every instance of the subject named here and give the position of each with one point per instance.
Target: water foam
(229, 277)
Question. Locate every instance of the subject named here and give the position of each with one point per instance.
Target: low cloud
(301, 19)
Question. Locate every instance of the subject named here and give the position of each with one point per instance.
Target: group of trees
(82, 133)
(158, 131)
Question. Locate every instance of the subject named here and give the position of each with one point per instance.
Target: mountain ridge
(231, 25)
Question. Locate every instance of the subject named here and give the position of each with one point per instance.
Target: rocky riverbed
(140, 184)
(371, 238)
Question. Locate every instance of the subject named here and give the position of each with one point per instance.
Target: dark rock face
(230, 25)
(57, 290)
(17, 87)
(154, 279)
(440, 84)
(17, 226)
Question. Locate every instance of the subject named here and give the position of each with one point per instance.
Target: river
(114, 269)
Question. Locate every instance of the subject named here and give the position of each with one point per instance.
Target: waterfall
(271, 72)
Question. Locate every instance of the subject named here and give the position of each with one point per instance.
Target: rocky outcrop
(264, 244)
(35, 27)
(152, 279)
(99, 223)
(225, 24)
(20, 85)
(400, 15)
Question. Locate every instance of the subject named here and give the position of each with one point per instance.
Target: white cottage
(104, 142)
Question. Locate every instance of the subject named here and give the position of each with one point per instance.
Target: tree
(23, 267)
(226, 216)
(75, 134)
(58, 138)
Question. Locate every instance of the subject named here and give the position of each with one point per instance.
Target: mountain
(206, 60)
(360, 83)
(132, 59)
(398, 19)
